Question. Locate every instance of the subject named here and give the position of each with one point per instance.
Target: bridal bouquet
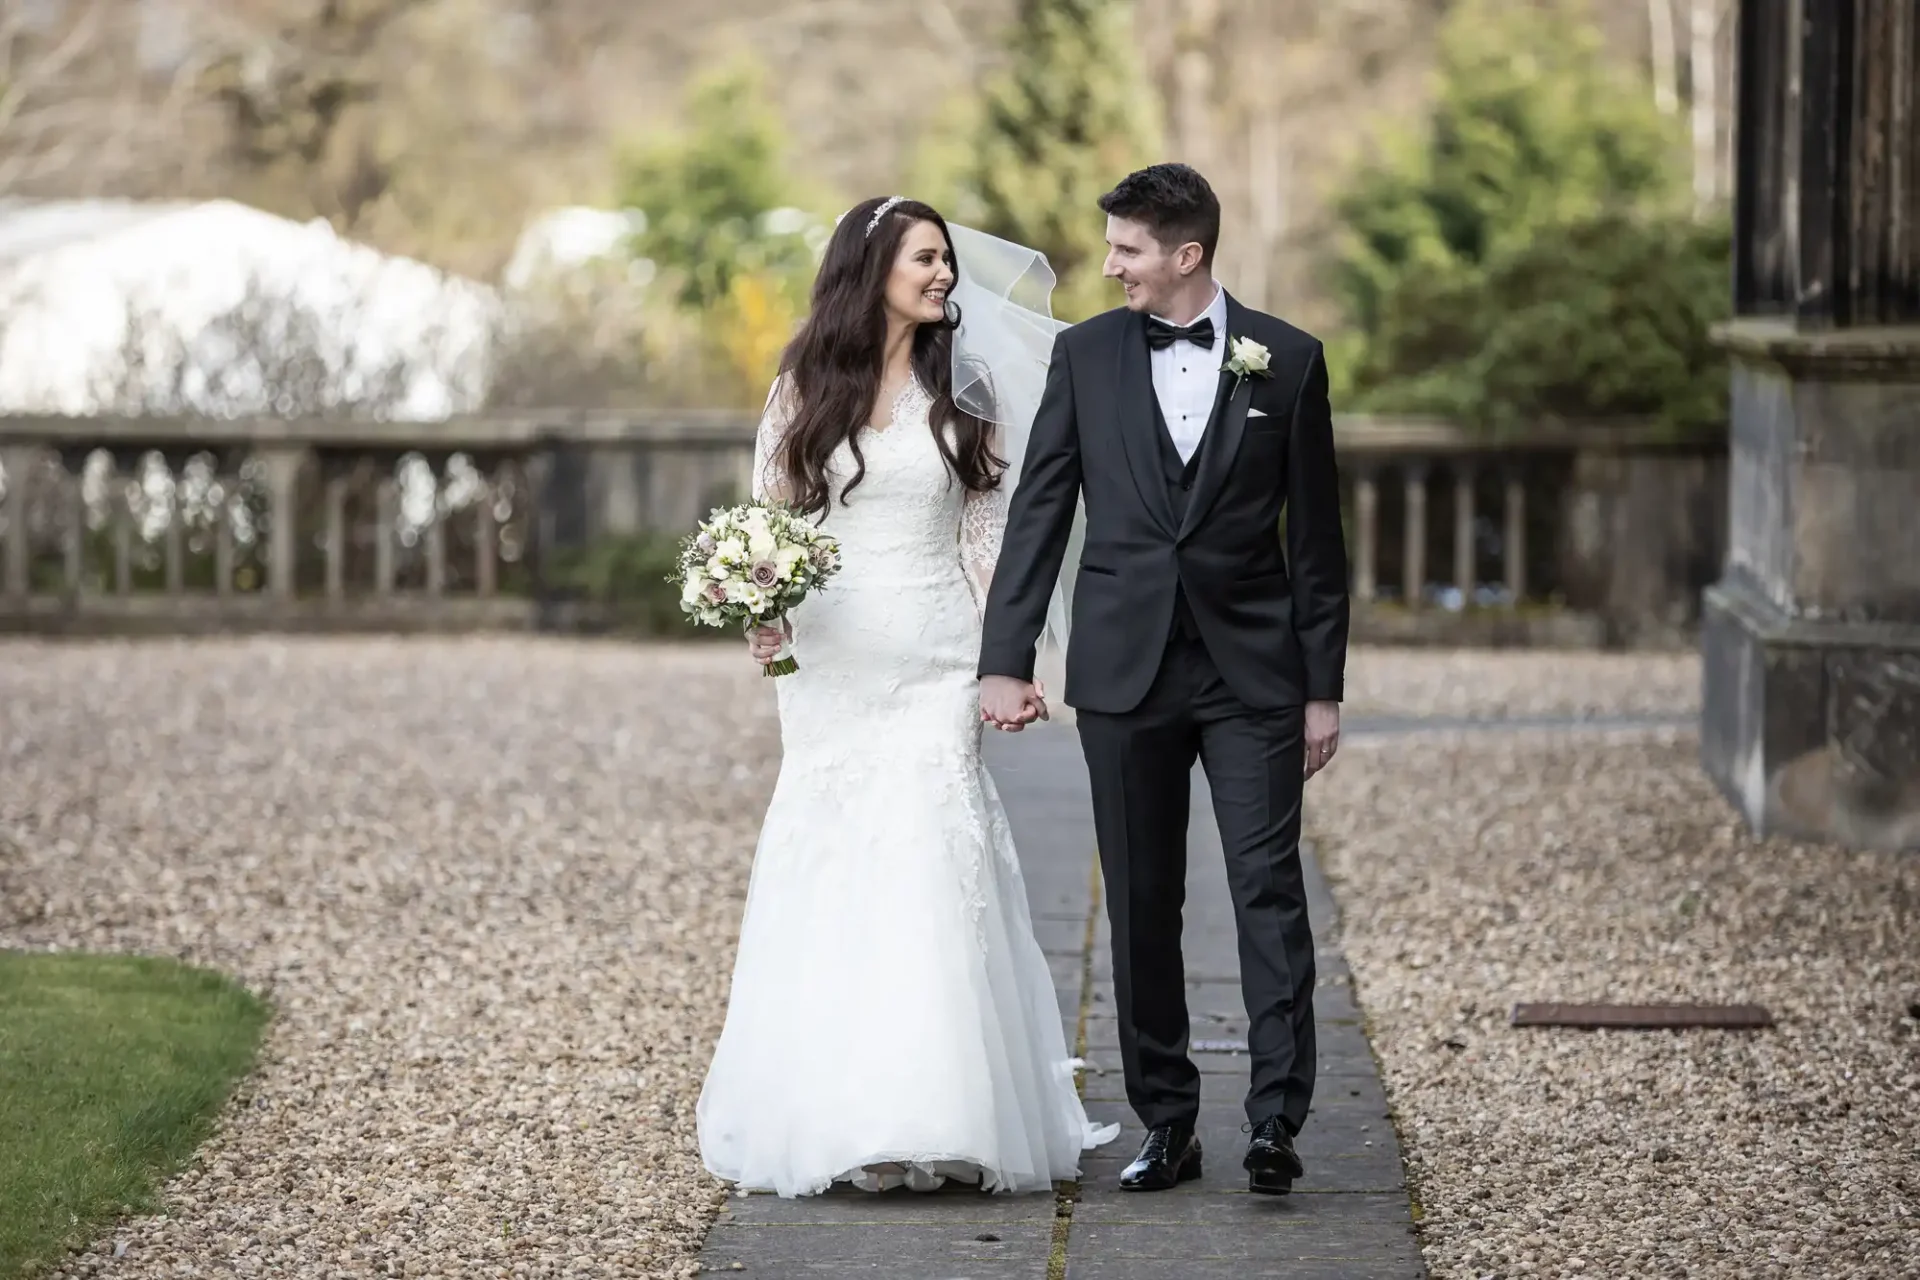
(748, 564)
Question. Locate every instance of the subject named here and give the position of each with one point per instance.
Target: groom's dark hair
(1173, 202)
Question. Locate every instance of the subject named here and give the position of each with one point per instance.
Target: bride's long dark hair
(833, 364)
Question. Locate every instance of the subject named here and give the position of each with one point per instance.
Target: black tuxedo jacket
(1273, 620)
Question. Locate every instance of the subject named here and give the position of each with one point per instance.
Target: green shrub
(625, 582)
(1529, 253)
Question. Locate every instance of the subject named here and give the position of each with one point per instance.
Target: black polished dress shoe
(1272, 1164)
(1169, 1156)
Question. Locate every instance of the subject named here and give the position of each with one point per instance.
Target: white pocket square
(1256, 413)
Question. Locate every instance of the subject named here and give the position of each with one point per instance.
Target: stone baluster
(536, 482)
(1463, 557)
(1515, 542)
(223, 547)
(18, 461)
(73, 544)
(386, 529)
(338, 481)
(120, 514)
(1366, 522)
(282, 466)
(486, 542)
(176, 531)
(435, 533)
(1414, 564)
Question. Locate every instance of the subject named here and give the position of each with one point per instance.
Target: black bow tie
(1161, 335)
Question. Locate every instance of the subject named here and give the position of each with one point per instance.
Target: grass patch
(112, 1069)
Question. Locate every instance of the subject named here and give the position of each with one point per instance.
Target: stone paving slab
(1349, 1218)
(900, 1245)
(952, 1205)
(1312, 1244)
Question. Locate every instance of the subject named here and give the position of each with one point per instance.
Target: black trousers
(1140, 764)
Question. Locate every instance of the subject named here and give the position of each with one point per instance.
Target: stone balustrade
(195, 524)
(142, 524)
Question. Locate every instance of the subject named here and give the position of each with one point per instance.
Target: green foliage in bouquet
(1530, 254)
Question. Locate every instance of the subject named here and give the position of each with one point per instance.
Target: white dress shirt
(1186, 379)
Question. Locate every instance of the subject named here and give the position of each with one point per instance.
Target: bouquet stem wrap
(782, 663)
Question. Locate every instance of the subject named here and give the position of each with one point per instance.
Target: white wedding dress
(890, 1006)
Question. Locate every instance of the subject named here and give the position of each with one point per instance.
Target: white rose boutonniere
(1247, 359)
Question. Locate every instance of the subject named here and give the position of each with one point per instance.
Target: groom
(1202, 627)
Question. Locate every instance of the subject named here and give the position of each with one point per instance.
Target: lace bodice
(908, 507)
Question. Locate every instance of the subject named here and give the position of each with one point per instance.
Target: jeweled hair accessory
(885, 208)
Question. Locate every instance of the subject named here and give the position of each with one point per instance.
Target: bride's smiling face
(921, 276)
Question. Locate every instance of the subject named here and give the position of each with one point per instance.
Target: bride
(892, 1019)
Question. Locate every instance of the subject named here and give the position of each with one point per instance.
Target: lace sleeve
(769, 477)
(983, 519)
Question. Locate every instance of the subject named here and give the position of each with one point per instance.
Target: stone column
(1811, 638)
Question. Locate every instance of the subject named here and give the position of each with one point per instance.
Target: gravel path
(492, 888)
(1500, 683)
(1478, 870)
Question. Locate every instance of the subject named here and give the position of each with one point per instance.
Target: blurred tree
(732, 234)
(718, 198)
(82, 112)
(1069, 115)
(1529, 254)
(403, 122)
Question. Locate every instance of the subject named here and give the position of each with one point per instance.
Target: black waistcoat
(1179, 480)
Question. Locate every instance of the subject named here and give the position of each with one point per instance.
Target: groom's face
(1150, 272)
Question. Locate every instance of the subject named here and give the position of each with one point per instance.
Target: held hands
(1010, 704)
(764, 642)
(1322, 734)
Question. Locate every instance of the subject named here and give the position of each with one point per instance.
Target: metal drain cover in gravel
(1641, 1017)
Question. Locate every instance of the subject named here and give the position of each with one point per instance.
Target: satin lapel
(1135, 392)
(1222, 441)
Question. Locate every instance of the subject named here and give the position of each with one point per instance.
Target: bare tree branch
(79, 114)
